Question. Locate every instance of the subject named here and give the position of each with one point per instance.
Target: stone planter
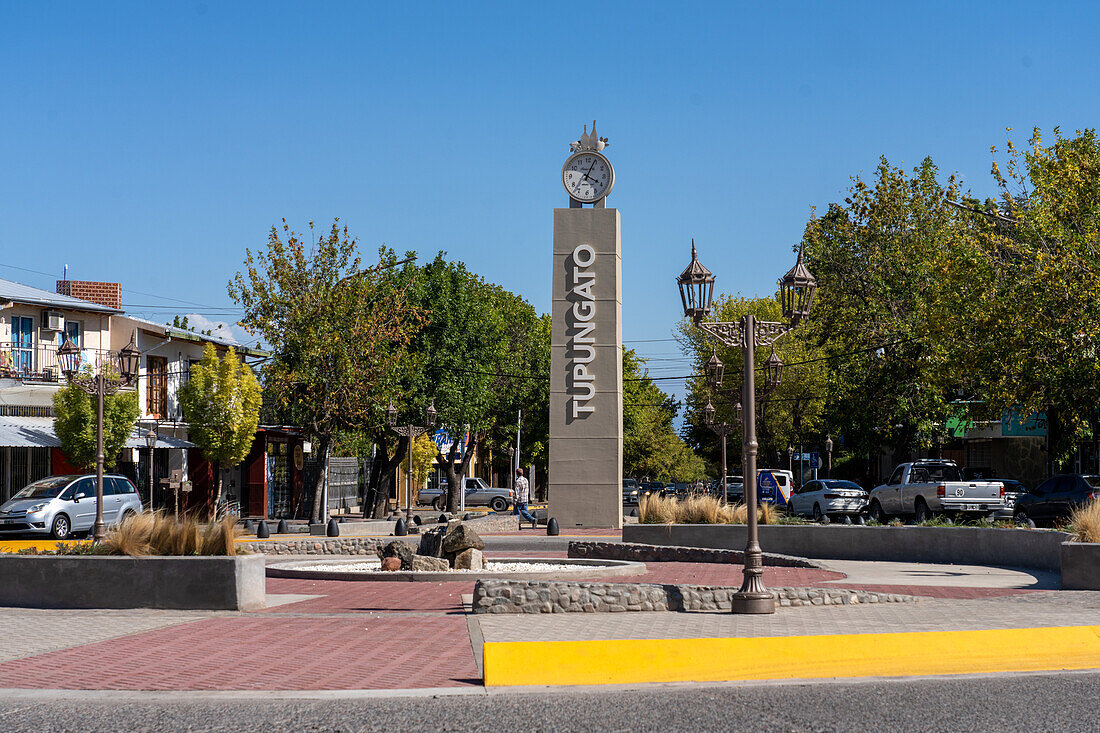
(96, 581)
(1022, 548)
(1081, 566)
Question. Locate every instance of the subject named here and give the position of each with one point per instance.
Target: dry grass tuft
(131, 536)
(1086, 522)
(767, 513)
(654, 509)
(698, 510)
(156, 533)
(220, 538)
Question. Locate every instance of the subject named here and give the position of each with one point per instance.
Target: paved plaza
(341, 635)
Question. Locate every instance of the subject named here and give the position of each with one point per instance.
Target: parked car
(630, 491)
(827, 499)
(478, 493)
(1054, 500)
(61, 506)
(677, 490)
(650, 487)
(928, 487)
(1013, 491)
(735, 489)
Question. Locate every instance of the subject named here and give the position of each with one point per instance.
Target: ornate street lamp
(696, 288)
(99, 385)
(151, 444)
(790, 459)
(829, 456)
(708, 415)
(411, 432)
(796, 293)
(715, 370)
(773, 371)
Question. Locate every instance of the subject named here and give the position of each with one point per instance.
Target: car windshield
(942, 472)
(47, 488)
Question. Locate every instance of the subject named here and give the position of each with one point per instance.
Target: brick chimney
(108, 294)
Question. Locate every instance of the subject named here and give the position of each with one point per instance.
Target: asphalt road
(1063, 702)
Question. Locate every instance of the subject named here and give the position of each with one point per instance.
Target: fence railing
(38, 362)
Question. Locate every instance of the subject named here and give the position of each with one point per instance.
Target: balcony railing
(38, 362)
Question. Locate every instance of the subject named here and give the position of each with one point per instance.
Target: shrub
(156, 533)
(1086, 522)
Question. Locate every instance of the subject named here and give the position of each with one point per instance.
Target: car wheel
(922, 512)
(438, 504)
(876, 513)
(1024, 520)
(818, 516)
(498, 504)
(60, 529)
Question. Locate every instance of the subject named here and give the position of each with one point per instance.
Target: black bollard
(467, 517)
(417, 520)
(442, 519)
(333, 529)
(281, 528)
(262, 531)
(400, 529)
(552, 527)
(248, 526)
(633, 512)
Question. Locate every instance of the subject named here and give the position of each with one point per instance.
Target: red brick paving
(264, 653)
(381, 635)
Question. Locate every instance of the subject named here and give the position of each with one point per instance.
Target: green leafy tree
(75, 424)
(337, 331)
(221, 404)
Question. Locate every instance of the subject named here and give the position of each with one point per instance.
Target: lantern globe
(68, 358)
(696, 288)
(797, 291)
(129, 359)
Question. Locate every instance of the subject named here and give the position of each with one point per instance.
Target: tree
(221, 404)
(478, 348)
(75, 424)
(424, 453)
(337, 331)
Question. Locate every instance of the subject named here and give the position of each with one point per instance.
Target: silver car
(61, 506)
(478, 493)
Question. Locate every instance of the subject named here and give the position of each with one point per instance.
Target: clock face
(587, 177)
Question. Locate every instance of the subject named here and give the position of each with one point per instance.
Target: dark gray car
(478, 493)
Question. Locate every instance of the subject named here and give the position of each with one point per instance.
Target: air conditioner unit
(53, 320)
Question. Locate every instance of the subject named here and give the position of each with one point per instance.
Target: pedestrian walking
(523, 495)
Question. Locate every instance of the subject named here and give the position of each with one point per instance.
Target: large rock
(400, 550)
(431, 542)
(460, 537)
(432, 564)
(391, 564)
(470, 559)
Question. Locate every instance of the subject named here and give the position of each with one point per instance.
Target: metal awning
(37, 432)
(28, 432)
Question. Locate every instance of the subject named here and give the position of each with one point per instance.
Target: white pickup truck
(928, 487)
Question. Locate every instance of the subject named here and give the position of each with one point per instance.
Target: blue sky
(150, 143)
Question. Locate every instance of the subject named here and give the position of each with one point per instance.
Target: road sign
(815, 461)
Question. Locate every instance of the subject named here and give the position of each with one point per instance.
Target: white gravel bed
(374, 566)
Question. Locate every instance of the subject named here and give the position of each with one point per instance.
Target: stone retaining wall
(517, 596)
(315, 546)
(662, 553)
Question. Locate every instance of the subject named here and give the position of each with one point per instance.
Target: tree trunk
(323, 443)
(454, 495)
(218, 492)
(384, 465)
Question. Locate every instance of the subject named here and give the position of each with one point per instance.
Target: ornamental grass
(1086, 522)
(704, 509)
(156, 533)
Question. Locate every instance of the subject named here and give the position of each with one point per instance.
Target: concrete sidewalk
(1015, 632)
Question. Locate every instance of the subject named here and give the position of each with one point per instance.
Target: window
(22, 344)
(156, 388)
(918, 476)
(118, 486)
(896, 478)
(84, 486)
(74, 330)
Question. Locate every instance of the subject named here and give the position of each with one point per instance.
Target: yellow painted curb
(45, 544)
(628, 661)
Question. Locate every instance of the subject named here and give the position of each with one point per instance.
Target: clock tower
(586, 355)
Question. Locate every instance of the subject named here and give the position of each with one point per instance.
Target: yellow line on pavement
(627, 661)
(46, 544)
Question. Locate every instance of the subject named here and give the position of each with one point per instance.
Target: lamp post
(99, 385)
(151, 443)
(790, 461)
(796, 294)
(411, 432)
(828, 456)
(722, 429)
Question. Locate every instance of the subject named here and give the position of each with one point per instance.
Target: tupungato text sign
(582, 337)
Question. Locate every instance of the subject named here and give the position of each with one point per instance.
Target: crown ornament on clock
(589, 142)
